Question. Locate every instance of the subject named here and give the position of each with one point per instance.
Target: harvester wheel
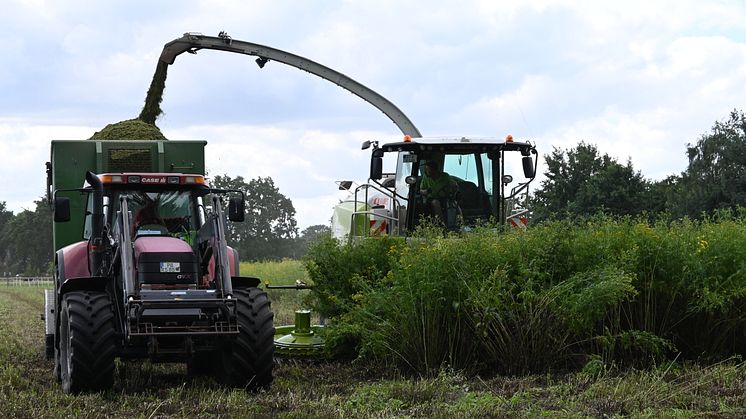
(247, 360)
(87, 342)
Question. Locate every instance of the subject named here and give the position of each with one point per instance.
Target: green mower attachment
(300, 340)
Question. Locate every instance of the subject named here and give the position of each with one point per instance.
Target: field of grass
(286, 272)
(343, 390)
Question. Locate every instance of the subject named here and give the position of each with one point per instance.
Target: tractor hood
(164, 260)
(160, 244)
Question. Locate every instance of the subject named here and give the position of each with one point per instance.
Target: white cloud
(643, 138)
(24, 149)
(505, 114)
(303, 163)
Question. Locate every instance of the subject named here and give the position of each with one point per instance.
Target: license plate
(170, 267)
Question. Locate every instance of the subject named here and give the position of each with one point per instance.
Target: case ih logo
(146, 179)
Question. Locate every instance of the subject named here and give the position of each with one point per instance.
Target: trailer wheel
(87, 342)
(248, 359)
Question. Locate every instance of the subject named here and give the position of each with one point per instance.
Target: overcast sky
(640, 79)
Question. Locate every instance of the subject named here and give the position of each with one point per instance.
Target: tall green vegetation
(344, 390)
(553, 297)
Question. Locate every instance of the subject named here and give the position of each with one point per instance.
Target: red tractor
(153, 278)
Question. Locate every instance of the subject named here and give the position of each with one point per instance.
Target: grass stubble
(343, 389)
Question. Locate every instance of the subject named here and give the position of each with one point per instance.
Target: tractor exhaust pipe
(96, 242)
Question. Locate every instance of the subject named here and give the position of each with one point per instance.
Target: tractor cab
(163, 218)
(457, 182)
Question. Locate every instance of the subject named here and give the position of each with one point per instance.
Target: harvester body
(142, 268)
(482, 171)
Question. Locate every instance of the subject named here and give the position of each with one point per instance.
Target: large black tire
(247, 360)
(87, 342)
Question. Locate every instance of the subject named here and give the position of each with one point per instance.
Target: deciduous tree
(716, 175)
(270, 227)
(581, 181)
(27, 241)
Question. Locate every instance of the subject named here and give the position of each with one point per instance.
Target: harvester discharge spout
(192, 42)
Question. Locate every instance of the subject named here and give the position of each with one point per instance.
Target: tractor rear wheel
(248, 359)
(87, 342)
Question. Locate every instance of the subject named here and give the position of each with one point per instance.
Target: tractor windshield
(162, 212)
(169, 212)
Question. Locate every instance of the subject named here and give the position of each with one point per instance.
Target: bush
(552, 297)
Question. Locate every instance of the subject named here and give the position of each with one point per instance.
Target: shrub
(552, 297)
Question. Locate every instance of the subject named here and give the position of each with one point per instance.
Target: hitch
(299, 285)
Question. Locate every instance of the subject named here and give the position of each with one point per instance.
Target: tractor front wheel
(87, 342)
(248, 359)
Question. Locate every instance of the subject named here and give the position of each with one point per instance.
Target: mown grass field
(286, 272)
(343, 389)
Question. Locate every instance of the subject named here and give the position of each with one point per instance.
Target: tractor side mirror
(376, 167)
(344, 185)
(528, 167)
(236, 209)
(61, 210)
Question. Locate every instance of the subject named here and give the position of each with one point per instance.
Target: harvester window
(404, 169)
(487, 168)
(462, 166)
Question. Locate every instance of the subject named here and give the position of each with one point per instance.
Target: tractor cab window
(87, 221)
(487, 164)
(164, 212)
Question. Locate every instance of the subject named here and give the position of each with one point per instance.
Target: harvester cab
(458, 182)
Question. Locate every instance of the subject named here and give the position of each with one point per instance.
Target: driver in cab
(147, 220)
(437, 186)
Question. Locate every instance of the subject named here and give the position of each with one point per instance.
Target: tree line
(26, 240)
(581, 181)
(270, 230)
